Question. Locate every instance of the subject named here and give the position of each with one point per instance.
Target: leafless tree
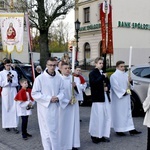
(42, 14)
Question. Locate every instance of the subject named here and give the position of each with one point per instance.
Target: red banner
(103, 28)
(110, 36)
(106, 48)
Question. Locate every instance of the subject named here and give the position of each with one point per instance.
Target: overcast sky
(70, 18)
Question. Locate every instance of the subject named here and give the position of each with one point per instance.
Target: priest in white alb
(122, 120)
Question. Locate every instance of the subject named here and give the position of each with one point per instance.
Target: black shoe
(120, 133)
(103, 139)
(95, 140)
(24, 137)
(7, 129)
(74, 148)
(16, 130)
(134, 132)
(80, 120)
(28, 135)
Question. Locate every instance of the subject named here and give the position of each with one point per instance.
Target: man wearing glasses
(9, 82)
(121, 104)
(48, 92)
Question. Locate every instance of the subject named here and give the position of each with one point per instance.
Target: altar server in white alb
(69, 113)
(82, 84)
(146, 107)
(122, 120)
(48, 92)
(100, 119)
(24, 105)
(9, 82)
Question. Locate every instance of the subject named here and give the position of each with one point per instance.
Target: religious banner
(106, 18)
(12, 27)
(103, 28)
(110, 36)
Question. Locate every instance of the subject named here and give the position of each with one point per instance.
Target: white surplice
(44, 87)
(81, 88)
(22, 105)
(122, 120)
(69, 127)
(100, 119)
(9, 110)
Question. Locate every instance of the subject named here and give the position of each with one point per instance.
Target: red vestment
(22, 96)
(82, 81)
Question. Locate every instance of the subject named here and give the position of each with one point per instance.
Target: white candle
(73, 58)
(130, 56)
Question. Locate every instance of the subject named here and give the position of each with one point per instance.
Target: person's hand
(105, 74)
(129, 79)
(54, 99)
(105, 89)
(30, 104)
(70, 102)
(73, 84)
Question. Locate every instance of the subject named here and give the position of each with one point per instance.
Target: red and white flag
(12, 27)
(106, 31)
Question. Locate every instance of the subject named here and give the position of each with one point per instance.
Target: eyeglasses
(50, 65)
(7, 65)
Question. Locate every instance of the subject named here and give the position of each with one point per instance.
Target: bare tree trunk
(44, 49)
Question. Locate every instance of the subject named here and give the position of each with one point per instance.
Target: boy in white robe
(9, 82)
(48, 92)
(69, 113)
(100, 119)
(24, 105)
(82, 84)
(121, 104)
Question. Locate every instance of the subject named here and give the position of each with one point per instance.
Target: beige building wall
(91, 36)
(132, 12)
(123, 37)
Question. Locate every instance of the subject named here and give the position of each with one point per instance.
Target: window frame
(86, 14)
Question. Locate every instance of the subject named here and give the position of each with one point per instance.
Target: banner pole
(30, 47)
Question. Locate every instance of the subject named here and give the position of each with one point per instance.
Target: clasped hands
(54, 99)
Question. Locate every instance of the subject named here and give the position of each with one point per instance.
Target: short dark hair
(51, 59)
(119, 62)
(7, 61)
(77, 67)
(97, 59)
(64, 63)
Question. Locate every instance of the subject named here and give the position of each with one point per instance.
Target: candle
(130, 56)
(73, 58)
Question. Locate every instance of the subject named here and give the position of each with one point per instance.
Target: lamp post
(77, 27)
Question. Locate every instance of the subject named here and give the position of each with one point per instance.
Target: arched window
(87, 50)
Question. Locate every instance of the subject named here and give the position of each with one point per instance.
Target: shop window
(86, 14)
(87, 51)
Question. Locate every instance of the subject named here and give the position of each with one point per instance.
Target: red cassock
(22, 96)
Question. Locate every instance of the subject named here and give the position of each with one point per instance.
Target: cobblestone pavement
(12, 141)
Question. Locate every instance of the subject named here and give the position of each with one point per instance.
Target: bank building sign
(133, 25)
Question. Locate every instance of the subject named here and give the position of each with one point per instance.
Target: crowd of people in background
(58, 93)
